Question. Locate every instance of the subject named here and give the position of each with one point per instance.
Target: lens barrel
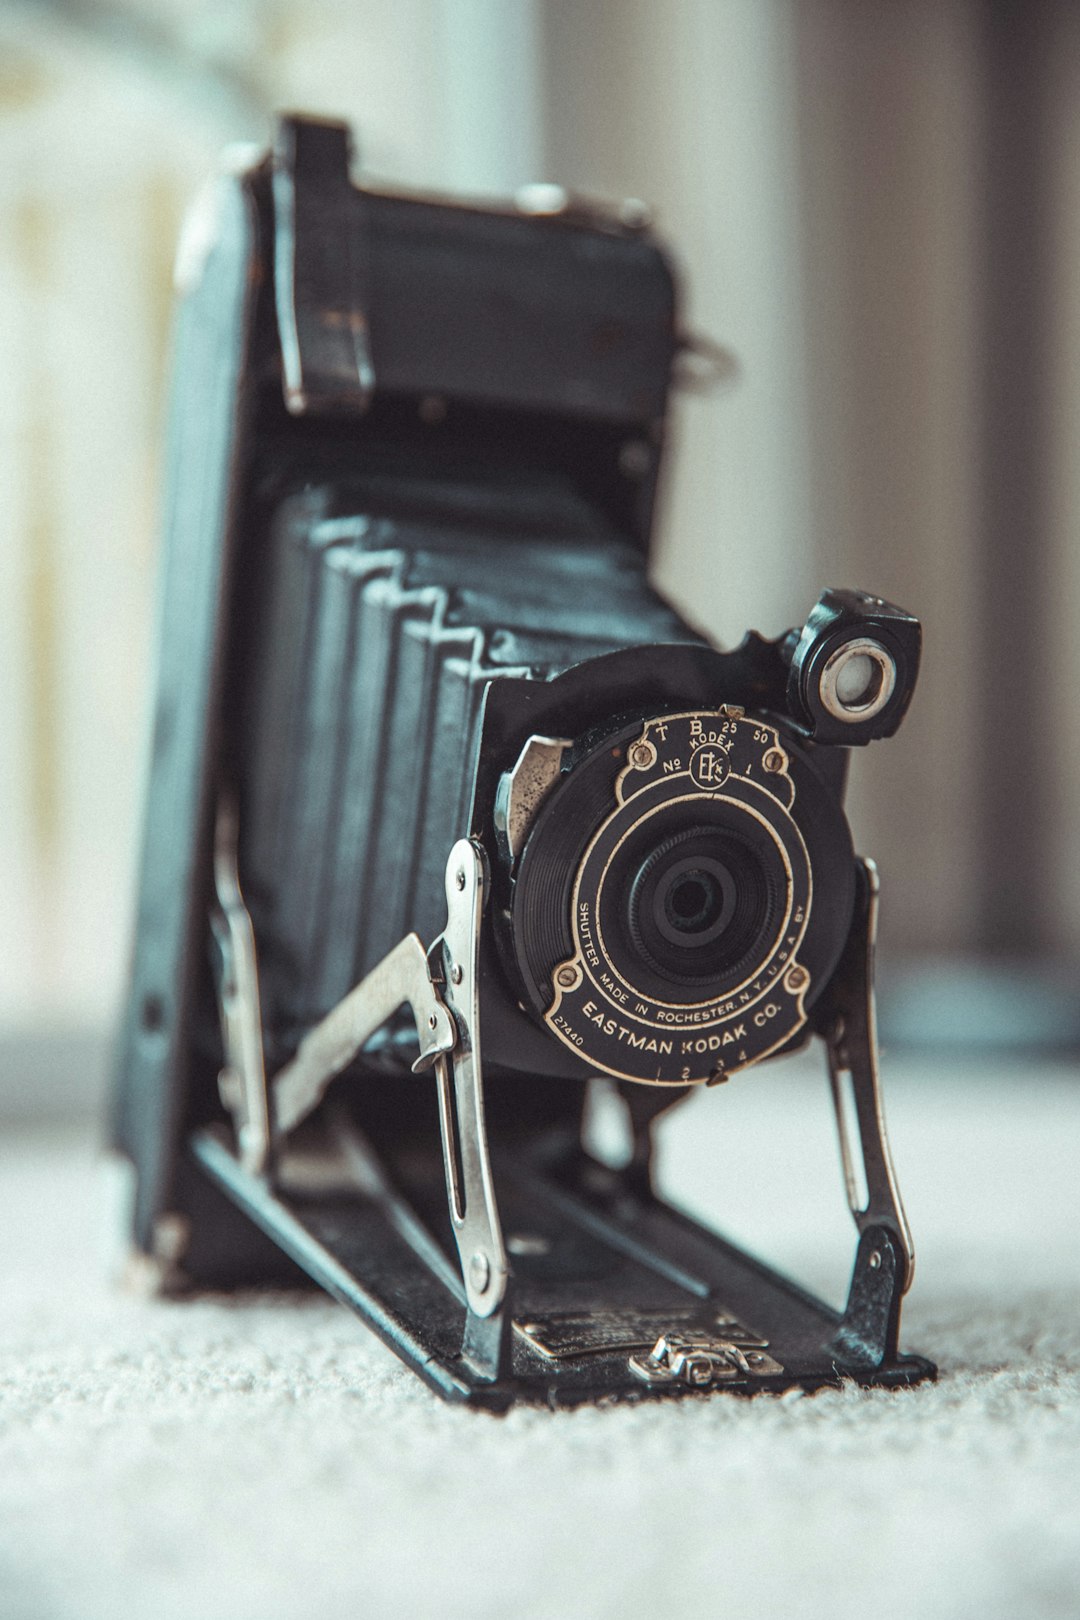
(665, 915)
(697, 904)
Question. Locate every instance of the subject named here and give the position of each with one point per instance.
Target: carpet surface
(265, 1457)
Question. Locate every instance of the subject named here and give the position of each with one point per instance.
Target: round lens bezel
(598, 1007)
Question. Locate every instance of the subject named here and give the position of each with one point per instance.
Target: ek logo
(708, 768)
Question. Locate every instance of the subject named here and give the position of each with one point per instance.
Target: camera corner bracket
(846, 1019)
(885, 1255)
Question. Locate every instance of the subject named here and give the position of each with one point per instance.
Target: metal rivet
(456, 974)
(459, 877)
(541, 197)
(524, 1244)
(479, 1271)
(635, 458)
(432, 1021)
(874, 1261)
(635, 214)
(432, 409)
(152, 1013)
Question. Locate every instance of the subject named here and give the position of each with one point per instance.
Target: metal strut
(473, 1210)
(851, 1042)
(440, 986)
(242, 1081)
(401, 978)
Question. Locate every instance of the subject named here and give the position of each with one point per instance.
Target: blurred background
(876, 209)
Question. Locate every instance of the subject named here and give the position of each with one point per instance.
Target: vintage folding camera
(450, 814)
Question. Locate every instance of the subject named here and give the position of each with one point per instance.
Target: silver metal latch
(701, 1360)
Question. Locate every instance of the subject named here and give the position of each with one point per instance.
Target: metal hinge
(441, 988)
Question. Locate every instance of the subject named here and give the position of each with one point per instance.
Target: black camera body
(450, 813)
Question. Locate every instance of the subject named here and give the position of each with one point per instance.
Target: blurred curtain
(878, 208)
(875, 207)
(939, 164)
(112, 116)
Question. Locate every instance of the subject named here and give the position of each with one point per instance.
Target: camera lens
(694, 900)
(655, 921)
(699, 901)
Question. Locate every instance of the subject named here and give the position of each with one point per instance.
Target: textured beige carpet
(263, 1457)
